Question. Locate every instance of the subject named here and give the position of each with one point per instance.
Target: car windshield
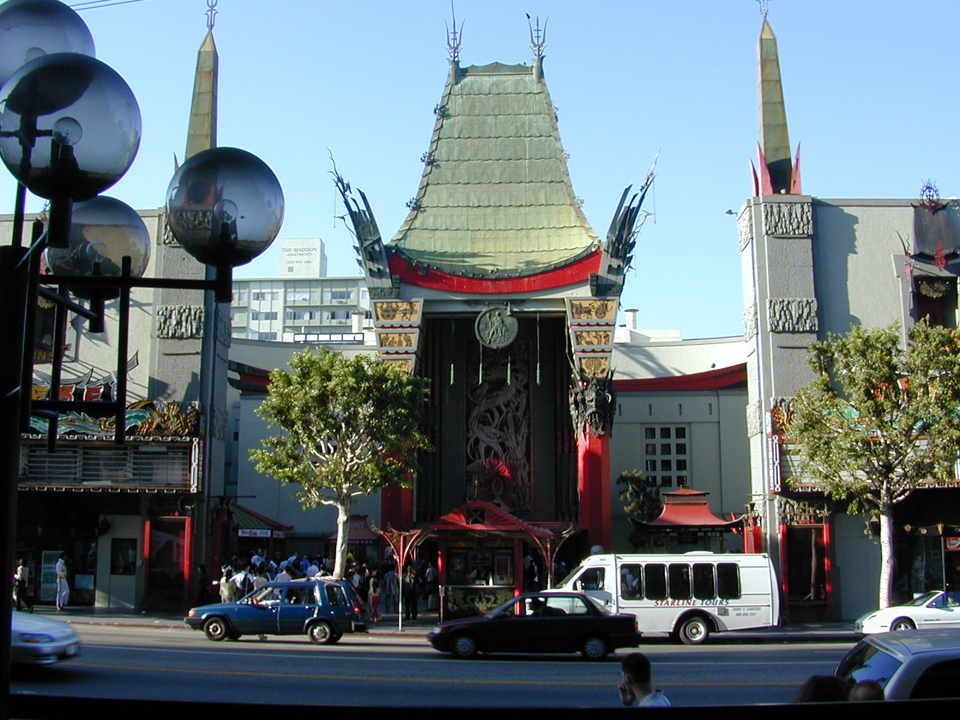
(570, 575)
(868, 662)
(922, 599)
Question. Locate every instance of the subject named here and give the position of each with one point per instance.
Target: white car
(935, 609)
(36, 640)
(912, 665)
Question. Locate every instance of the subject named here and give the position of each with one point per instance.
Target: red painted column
(396, 507)
(828, 567)
(593, 477)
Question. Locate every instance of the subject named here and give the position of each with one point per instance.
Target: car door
(298, 605)
(259, 612)
(509, 630)
(941, 612)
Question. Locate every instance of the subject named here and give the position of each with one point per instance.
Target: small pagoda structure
(685, 524)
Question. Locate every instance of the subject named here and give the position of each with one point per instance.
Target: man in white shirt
(636, 688)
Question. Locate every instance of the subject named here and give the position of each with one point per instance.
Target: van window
(704, 587)
(631, 582)
(656, 577)
(591, 579)
(679, 581)
(728, 581)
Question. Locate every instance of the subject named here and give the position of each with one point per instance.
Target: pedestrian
(21, 578)
(63, 588)
(227, 589)
(636, 687)
(374, 595)
(823, 688)
(203, 585)
(411, 592)
(866, 691)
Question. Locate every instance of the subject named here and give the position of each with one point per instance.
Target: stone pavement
(798, 632)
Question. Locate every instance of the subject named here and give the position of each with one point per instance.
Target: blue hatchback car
(323, 609)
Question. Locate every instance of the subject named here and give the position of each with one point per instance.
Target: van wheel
(693, 631)
(594, 648)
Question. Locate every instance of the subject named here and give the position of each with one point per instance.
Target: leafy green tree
(879, 421)
(349, 427)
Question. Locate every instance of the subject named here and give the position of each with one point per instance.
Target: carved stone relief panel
(745, 227)
(788, 219)
(179, 322)
(223, 324)
(218, 423)
(792, 315)
(754, 419)
(750, 321)
(166, 234)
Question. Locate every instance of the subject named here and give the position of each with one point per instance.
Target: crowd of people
(378, 586)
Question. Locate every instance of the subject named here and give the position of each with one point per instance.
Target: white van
(689, 595)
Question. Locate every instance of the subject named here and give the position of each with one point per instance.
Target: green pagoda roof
(495, 197)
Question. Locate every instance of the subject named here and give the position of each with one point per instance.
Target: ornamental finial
(455, 37)
(211, 14)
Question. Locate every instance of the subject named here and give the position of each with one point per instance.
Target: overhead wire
(95, 4)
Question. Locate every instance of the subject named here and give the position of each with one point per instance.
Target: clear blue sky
(869, 90)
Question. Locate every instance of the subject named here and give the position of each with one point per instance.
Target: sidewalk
(800, 632)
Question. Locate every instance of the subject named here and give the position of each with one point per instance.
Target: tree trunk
(340, 555)
(886, 552)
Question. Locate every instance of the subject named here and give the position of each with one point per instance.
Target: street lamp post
(69, 129)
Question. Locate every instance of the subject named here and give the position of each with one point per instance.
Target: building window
(263, 336)
(301, 315)
(301, 295)
(257, 315)
(666, 454)
(239, 297)
(264, 295)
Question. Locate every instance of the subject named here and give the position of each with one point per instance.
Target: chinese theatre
(498, 290)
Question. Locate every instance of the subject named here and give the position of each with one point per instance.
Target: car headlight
(35, 638)
(191, 612)
(436, 630)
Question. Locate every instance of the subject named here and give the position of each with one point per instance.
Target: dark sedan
(323, 609)
(540, 623)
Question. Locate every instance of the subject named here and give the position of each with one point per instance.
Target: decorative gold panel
(397, 311)
(588, 309)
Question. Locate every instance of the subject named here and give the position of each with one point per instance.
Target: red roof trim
(577, 271)
(723, 379)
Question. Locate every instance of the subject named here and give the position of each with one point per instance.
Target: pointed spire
(774, 138)
(202, 133)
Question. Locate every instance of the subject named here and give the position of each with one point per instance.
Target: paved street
(160, 659)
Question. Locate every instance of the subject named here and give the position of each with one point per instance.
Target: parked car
(935, 609)
(540, 623)
(323, 609)
(36, 640)
(910, 665)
